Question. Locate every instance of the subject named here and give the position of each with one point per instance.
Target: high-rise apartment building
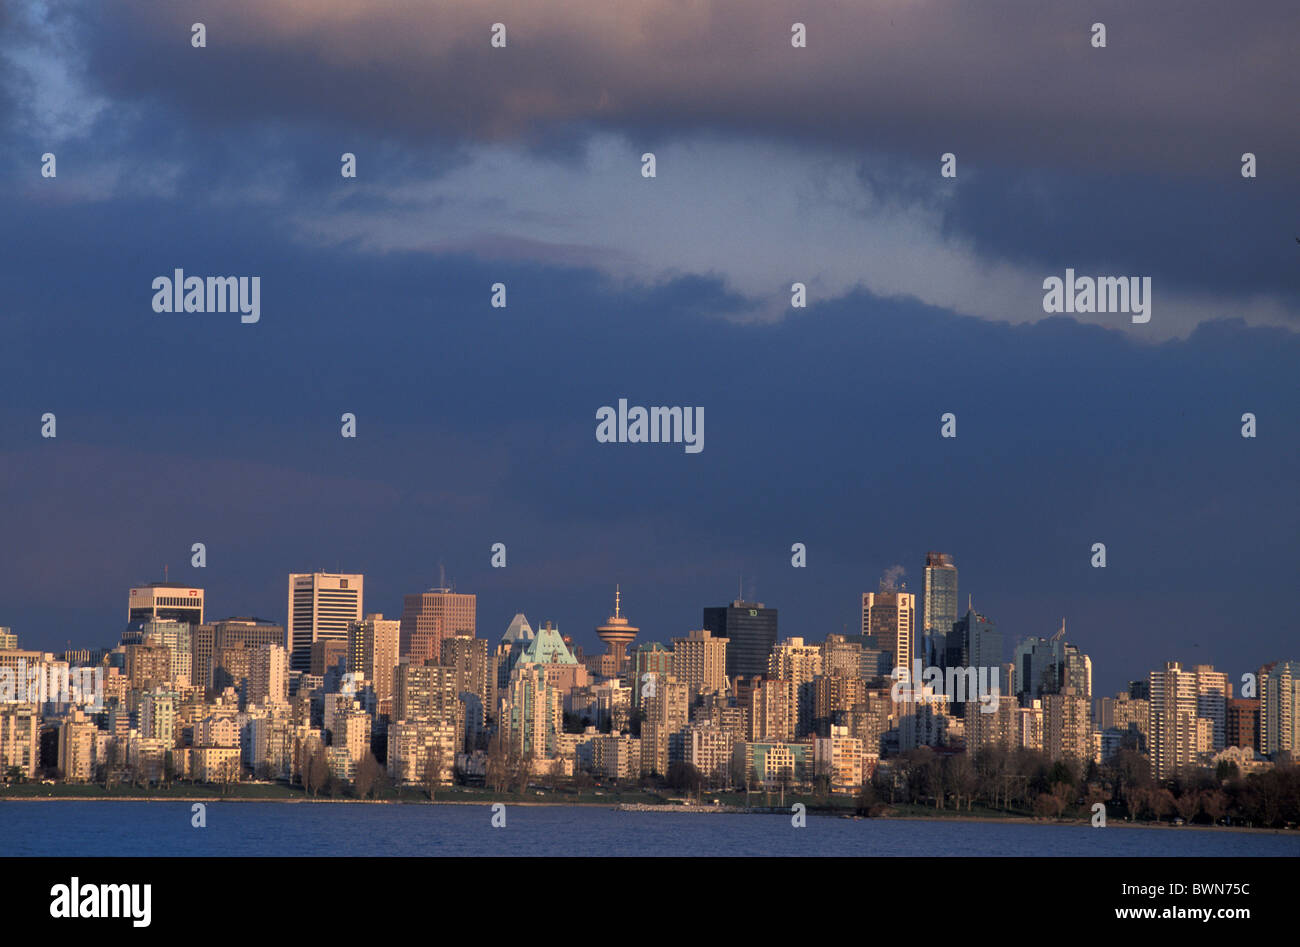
(1067, 724)
(1178, 734)
(700, 662)
(321, 607)
(1279, 690)
(373, 647)
(793, 660)
(268, 675)
(1212, 694)
(750, 630)
(1241, 726)
(429, 617)
(20, 726)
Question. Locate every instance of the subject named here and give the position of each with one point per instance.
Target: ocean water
(100, 828)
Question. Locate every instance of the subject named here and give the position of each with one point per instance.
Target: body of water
(267, 828)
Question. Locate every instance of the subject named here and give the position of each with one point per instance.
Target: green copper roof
(547, 648)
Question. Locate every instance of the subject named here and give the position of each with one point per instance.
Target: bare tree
(368, 776)
(431, 776)
(316, 773)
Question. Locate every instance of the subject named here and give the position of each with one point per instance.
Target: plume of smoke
(889, 581)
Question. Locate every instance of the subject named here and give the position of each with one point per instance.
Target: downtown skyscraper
(750, 630)
(889, 618)
(321, 607)
(940, 606)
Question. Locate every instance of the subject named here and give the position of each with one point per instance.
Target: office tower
(321, 606)
(800, 663)
(1212, 694)
(373, 647)
(889, 617)
(1279, 690)
(1045, 665)
(617, 634)
(20, 726)
(1241, 723)
(975, 642)
(700, 662)
(165, 601)
(429, 617)
(1178, 735)
(750, 630)
(940, 607)
(1067, 724)
(8, 640)
(651, 662)
(268, 675)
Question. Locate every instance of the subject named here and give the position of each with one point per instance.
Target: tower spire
(617, 596)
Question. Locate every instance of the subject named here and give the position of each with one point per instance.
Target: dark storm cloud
(1185, 86)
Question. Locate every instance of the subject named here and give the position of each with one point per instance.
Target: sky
(774, 164)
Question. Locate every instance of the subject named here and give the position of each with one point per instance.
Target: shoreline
(660, 809)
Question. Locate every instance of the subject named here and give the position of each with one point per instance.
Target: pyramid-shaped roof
(518, 632)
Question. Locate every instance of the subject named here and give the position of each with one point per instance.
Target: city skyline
(1010, 643)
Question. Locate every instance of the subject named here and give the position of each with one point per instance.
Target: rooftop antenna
(164, 573)
(442, 575)
(616, 599)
